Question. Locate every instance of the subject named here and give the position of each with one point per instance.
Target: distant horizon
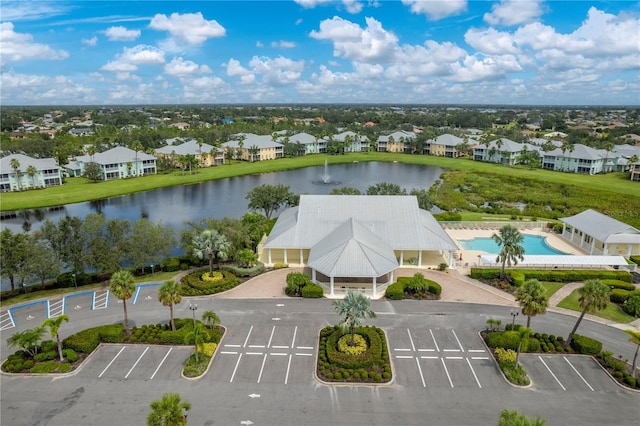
(355, 52)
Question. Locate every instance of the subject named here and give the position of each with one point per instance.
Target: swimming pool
(533, 244)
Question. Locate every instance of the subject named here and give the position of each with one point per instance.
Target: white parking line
(273, 330)
(114, 358)
(228, 353)
(253, 353)
(233, 346)
(286, 378)
(579, 375)
(262, 368)
(474, 374)
(300, 354)
(475, 350)
(279, 354)
(446, 371)
(279, 347)
(404, 356)
(136, 363)
(457, 340)
(554, 376)
(454, 357)
(413, 347)
(424, 385)
(247, 339)
(236, 367)
(434, 340)
(256, 346)
(6, 320)
(479, 357)
(304, 347)
(429, 357)
(160, 365)
(295, 331)
(426, 350)
(402, 349)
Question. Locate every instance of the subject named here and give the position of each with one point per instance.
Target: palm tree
(594, 296)
(253, 151)
(198, 336)
(32, 171)
(171, 410)
(137, 146)
(210, 319)
(523, 334)
(532, 299)
(635, 338)
(212, 244)
(28, 340)
(510, 239)
(53, 324)
(15, 165)
(123, 287)
(513, 418)
(354, 308)
(169, 295)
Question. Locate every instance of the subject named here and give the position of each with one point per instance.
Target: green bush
(620, 296)
(503, 339)
(171, 264)
(48, 345)
(296, 281)
(280, 265)
(238, 271)
(193, 285)
(632, 305)
(312, 291)
(435, 288)
(395, 291)
(619, 284)
(586, 345)
(553, 275)
(70, 355)
(87, 340)
(44, 367)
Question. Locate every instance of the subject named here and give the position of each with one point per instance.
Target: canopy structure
(559, 261)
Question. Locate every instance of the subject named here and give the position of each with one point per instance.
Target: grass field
(77, 190)
(550, 288)
(611, 312)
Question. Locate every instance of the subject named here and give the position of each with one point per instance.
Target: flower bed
(193, 284)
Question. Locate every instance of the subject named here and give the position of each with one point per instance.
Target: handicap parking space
(441, 358)
(267, 354)
(566, 373)
(136, 362)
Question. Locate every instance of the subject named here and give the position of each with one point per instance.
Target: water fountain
(326, 178)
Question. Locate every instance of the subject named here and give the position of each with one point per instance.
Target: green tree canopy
(510, 240)
(170, 410)
(122, 286)
(353, 309)
(269, 198)
(532, 299)
(169, 295)
(594, 296)
(53, 324)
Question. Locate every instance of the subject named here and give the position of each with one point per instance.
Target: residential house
(311, 144)
(80, 131)
(252, 147)
(354, 142)
(395, 142)
(580, 159)
(207, 155)
(502, 151)
(447, 145)
(30, 173)
(634, 171)
(116, 163)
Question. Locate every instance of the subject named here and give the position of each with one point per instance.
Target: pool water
(533, 244)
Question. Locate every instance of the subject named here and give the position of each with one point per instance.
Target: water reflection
(226, 197)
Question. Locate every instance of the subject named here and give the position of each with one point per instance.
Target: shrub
(64, 368)
(312, 291)
(87, 340)
(240, 271)
(296, 281)
(44, 367)
(620, 296)
(171, 264)
(280, 265)
(442, 266)
(193, 285)
(630, 380)
(70, 355)
(632, 305)
(208, 349)
(619, 284)
(586, 345)
(503, 339)
(395, 291)
(358, 348)
(505, 355)
(48, 345)
(435, 288)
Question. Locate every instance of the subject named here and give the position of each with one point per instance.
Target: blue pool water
(533, 244)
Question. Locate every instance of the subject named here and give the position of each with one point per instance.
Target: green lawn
(77, 190)
(550, 288)
(611, 312)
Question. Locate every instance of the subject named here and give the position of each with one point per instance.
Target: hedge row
(620, 296)
(521, 275)
(341, 359)
(87, 340)
(542, 342)
(397, 290)
(183, 327)
(193, 285)
(256, 270)
(619, 284)
(312, 291)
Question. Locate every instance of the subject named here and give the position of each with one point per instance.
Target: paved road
(263, 371)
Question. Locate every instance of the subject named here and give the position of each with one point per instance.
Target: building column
(391, 280)
(285, 256)
(269, 251)
(419, 258)
(401, 257)
(301, 257)
(593, 244)
(313, 276)
(374, 287)
(606, 249)
(629, 250)
(331, 285)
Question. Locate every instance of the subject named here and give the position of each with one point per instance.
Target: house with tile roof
(600, 234)
(207, 155)
(357, 241)
(117, 163)
(30, 173)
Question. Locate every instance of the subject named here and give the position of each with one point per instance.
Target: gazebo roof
(603, 228)
(352, 250)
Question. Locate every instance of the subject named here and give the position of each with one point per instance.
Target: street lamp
(514, 314)
(152, 269)
(193, 308)
(75, 283)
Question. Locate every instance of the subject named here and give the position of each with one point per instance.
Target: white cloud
(120, 33)
(32, 10)
(130, 58)
(371, 44)
(283, 44)
(20, 46)
(90, 41)
(43, 89)
(435, 10)
(190, 28)
(259, 44)
(514, 12)
(178, 67)
(277, 72)
(351, 6)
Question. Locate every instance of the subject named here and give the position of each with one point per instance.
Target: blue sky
(511, 52)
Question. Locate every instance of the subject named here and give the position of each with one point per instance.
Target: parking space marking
(424, 384)
(228, 353)
(309, 348)
(551, 372)
(236, 367)
(474, 374)
(301, 354)
(579, 375)
(55, 309)
(112, 361)
(247, 339)
(137, 361)
(160, 365)
(280, 347)
(6, 320)
(444, 364)
(233, 346)
(273, 330)
(457, 340)
(293, 341)
(434, 340)
(262, 367)
(286, 378)
(475, 350)
(413, 347)
(100, 300)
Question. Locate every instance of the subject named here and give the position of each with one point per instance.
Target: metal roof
(352, 250)
(395, 219)
(602, 227)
